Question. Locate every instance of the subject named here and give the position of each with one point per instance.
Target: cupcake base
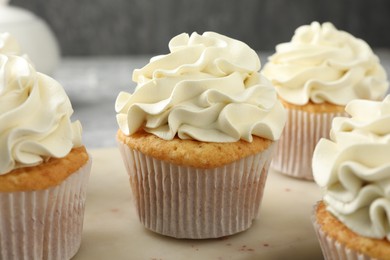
(194, 203)
(44, 224)
(338, 242)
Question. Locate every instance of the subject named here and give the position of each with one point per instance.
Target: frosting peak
(323, 64)
(34, 116)
(8, 44)
(354, 168)
(207, 88)
(209, 53)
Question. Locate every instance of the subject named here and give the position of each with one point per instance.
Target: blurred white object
(33, 34)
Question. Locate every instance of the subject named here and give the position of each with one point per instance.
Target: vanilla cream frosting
(354, 168)
(34, 116)
(8, 44)
(323, 64)
(207, 88)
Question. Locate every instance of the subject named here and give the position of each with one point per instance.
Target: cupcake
(197, 136)
(44, 167)
(316, 74)
(353, 168)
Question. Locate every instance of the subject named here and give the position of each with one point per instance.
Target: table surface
(93, 83)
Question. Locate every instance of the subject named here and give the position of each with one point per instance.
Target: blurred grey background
(127, 27)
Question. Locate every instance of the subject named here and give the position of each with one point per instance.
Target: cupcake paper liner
(331, 248)
(186, 202)
(296, 145)
(44, 224)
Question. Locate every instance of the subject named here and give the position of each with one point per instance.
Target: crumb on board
(245, 248)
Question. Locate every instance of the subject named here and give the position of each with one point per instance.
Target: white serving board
(112, 231)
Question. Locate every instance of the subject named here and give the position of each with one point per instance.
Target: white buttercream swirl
(34, 116)
(8, 44)
(323, 64)
(207, 88)
(354, 168)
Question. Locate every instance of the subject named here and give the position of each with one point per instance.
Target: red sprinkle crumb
(193, 246)
(244, 248)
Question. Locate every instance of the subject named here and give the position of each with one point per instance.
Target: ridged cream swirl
(354, 168)
(323, 64)
(207, 88)
(34, 116)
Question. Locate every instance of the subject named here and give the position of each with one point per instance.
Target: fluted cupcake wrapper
(186, 202)
(295, 147)
(331, 248)
(44, 224)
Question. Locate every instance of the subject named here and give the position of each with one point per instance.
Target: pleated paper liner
(186, 202)
(331, 248)
(295, 147)
(44, 224)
